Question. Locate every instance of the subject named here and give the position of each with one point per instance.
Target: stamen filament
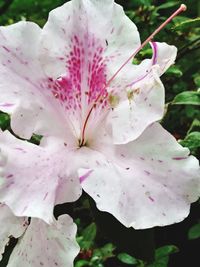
(177, 12)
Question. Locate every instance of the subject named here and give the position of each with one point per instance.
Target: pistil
(182, 8)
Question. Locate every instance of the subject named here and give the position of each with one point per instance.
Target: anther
(183, 7)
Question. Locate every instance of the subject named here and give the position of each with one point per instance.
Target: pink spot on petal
(7, 105)
(46, 195)
(5, 48)
(147, 172)
(85, 176)
(152, 199)
(10, 184)
(179, 158)
(20, 149)
(9, 176)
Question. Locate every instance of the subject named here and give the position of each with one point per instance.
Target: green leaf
(197, 80)
(105, 252)
(82, 263)
(146, 52)
(145, 2)
(168, 5)
(175, 71)
(192, 140)
(4, 121)
(163, 262)
(187, 98)
(194, 232)
(162, 256)
(35, 139)
(195, 126)
(165, 251)
(126, 258)
(88, 235)
(191, 23)
(98, 265)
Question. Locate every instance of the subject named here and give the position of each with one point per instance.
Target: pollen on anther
(183, 7)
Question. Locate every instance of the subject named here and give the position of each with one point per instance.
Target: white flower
(97, 112)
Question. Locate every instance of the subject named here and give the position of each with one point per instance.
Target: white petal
(163, 57)
(46, 245)
(130, 118)
(24, 86)
(36, 177)
(149, 182)
(114, 31)
(141, 94)
(10, 226)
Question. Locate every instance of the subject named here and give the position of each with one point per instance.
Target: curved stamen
(99, 97)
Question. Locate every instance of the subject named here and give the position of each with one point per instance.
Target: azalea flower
(38, 240)
(73, 82)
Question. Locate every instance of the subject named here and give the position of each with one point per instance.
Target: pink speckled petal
(130, 118)
(25, 90)
(149, 182)
(35, 177)
(17, 57)
(142, 103)
(46, 245)
(10, 226)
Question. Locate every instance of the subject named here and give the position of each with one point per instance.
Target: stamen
(182, 8)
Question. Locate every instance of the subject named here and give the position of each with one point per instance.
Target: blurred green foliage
(32, 10)
(97, 256)
(194, 232)
(182, 119)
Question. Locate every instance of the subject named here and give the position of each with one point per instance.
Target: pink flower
(39, 244)
(97, 112)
